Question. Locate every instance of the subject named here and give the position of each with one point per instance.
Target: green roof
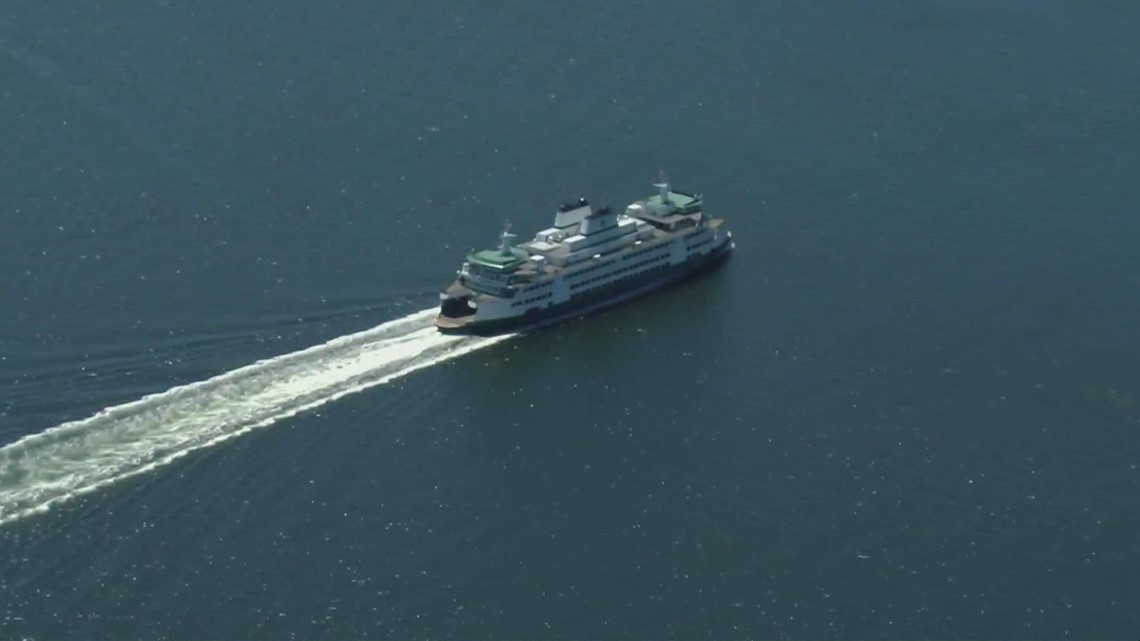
(495, 259)
(685, 203)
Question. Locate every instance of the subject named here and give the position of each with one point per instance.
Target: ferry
(589, 259)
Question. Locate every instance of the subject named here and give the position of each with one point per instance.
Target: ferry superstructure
(590, 258)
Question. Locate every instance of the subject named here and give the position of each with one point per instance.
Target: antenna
(662, 185)
(505, 248)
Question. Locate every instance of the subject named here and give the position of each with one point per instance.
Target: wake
(74, 458)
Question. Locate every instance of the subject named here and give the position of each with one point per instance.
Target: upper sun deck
(580, 233)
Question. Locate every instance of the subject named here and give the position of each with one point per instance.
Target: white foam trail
(73, 458)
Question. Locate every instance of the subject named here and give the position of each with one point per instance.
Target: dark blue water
(908, 407)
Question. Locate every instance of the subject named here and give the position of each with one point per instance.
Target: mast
(507, 236)
(662, 186)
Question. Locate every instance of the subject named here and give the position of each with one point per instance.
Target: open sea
(907, 408)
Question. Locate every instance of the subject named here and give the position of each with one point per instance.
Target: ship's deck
(536, 270)
(533, 271)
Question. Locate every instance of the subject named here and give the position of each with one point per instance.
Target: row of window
(589, 269)
(700, 244)
(535, 288)
(623, 279)
(531, 299)
(620, 271)
(643, 250)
